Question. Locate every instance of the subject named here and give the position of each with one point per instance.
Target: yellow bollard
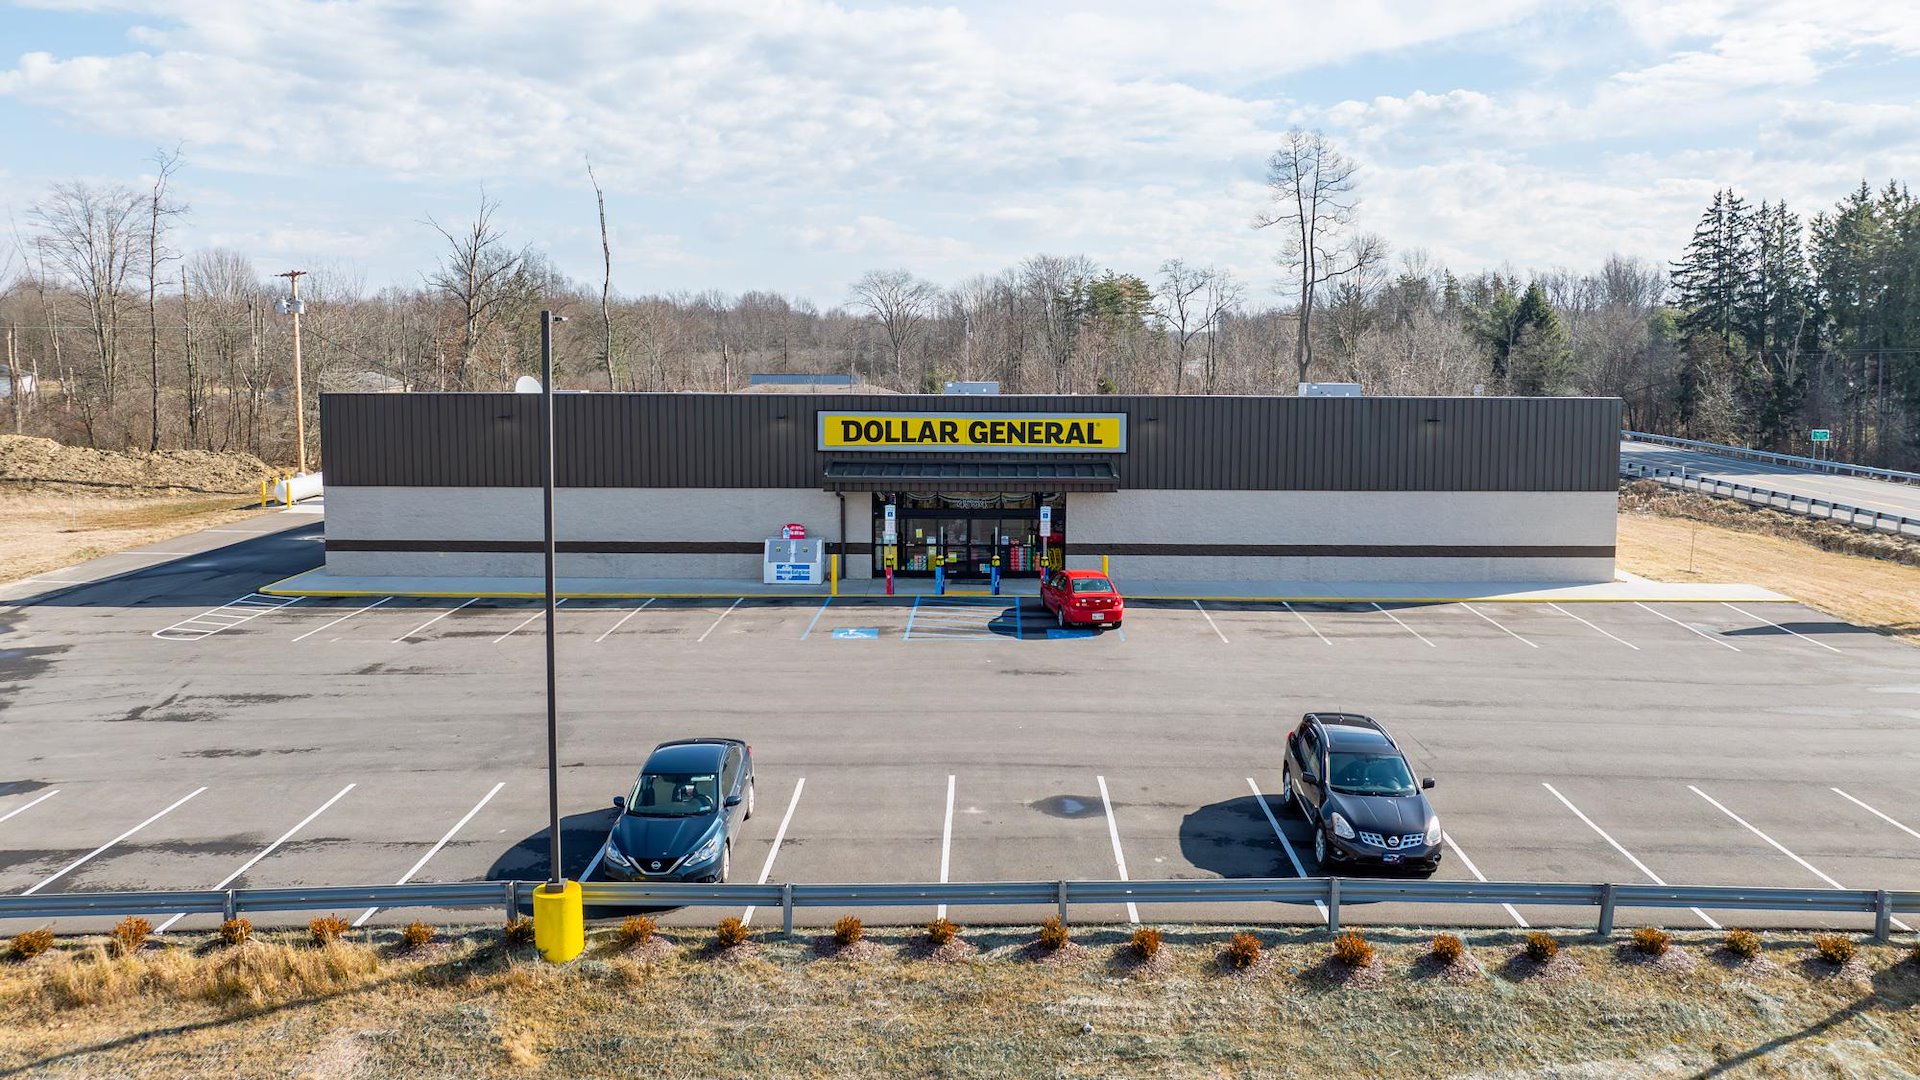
(559, 922)
(833, 575)
(263, 493)
(1103, 567)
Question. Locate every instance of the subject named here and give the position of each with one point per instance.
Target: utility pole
(292, 306)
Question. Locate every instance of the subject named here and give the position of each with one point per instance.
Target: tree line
(1765, 326)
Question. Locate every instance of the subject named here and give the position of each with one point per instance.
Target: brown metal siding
(767, 440)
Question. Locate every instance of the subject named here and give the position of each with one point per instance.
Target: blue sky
(794, 144)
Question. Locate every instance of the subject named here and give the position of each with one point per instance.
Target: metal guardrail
(1331, 894)
(1843, 468)
(1863, 517)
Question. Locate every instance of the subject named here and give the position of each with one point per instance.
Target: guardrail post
(786, 908)
(1606, 910)
(230, 905)
(512, 898)
(1061, 894)
(1333, 905)
(1882, 916)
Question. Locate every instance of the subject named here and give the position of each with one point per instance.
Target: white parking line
(1642, 867)
(1478, 876)
(1210, 622)
(1119, 857)
(946, 844)
(1584, 622)
(1304, 619)
(804, 634)
(343, 618)
(1690, 627)
(525, 622)
(88, 857)
(1403, 626)
(430, 622)
(1836, 791)
(716, 622)
(435, 849)
(248, 865)
(1261, 801)
(1777, 626)
(1778, 846)
(29, 806)
(623, 621)
(779, 837)
(594, 863)
(1502, 626)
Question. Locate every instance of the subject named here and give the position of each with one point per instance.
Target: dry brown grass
(326, 929)
(280, 1008)
(43, 531)
(30, 943)
(416, 935)
(518, 931)
(130, 935)
(1863, 591)
(236, 931)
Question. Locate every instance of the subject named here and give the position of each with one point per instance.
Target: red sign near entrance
(793, 531)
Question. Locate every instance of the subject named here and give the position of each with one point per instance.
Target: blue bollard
(940, 580)
(996, 577)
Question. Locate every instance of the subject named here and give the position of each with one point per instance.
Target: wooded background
(1765, 326)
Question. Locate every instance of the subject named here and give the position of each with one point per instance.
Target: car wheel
(726, 862)
(1320, 847)
(1286, 792)
(1060, 615)
(749, 813)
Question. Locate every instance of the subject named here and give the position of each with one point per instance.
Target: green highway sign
(1821, 434)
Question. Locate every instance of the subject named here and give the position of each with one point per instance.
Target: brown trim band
(1351, 551)
(1214, 551)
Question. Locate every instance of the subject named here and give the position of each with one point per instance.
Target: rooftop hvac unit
(973, 388)
(1329, 389)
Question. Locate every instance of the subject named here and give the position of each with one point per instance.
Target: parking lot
(174, 729)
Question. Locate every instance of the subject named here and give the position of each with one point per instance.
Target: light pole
(293, 306)
(556, 879)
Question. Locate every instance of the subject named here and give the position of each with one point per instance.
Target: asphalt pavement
(169, 728)
(1867, 494)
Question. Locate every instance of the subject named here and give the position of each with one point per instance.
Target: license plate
(1390, 858)
(1098, 617)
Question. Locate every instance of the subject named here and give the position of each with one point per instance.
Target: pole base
(559, 922)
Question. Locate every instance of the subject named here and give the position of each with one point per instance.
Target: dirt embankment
(42, 464)
(1648, 497)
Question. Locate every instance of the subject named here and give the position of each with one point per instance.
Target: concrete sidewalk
(320, 583)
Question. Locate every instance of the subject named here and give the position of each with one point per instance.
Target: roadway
(1867, 494)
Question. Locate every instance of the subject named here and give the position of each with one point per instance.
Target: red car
(1082, 598)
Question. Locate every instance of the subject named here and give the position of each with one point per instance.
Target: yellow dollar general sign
(1083, 433)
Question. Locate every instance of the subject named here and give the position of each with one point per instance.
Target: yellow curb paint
(559, 922)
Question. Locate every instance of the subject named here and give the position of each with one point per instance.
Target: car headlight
(707, 850)
(616, 858)
(1433, 830)
(1341, 829)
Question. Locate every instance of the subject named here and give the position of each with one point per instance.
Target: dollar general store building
(660, 487)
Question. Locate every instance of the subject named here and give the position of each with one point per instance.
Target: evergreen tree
(1712, 278)
(1539, 361)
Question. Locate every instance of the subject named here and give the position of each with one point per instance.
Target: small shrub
(1353, 950)
(941, 931)
(327, 929)
(1145, 943)
(30, 944)
(1243, 949)
(731, 932)
(1744, 944)
(1542, 946)
(1053, 933)
(1914, 956)
(416, 934)
(1651, 941)
(1835, 949)
(1448, 949)
(635, 930)
(518, 930)
(847, 930)
(130, 935)
(236, 931)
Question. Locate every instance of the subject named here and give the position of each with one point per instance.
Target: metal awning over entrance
(971, 476)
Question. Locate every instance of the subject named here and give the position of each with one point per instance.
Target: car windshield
(664, 794)
(1092, 585)
(1369, 774)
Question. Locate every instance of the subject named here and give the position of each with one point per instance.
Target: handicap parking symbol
(852, 633)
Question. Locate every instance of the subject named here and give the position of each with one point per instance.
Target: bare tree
(1178, 311)
(16, 385)
(1311, 184)
(606, 280)
(92, 237)
(160, 211)
(476, 275)
(900, 303)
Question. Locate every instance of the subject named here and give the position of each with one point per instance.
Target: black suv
(680, 820)
(1349, 779)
